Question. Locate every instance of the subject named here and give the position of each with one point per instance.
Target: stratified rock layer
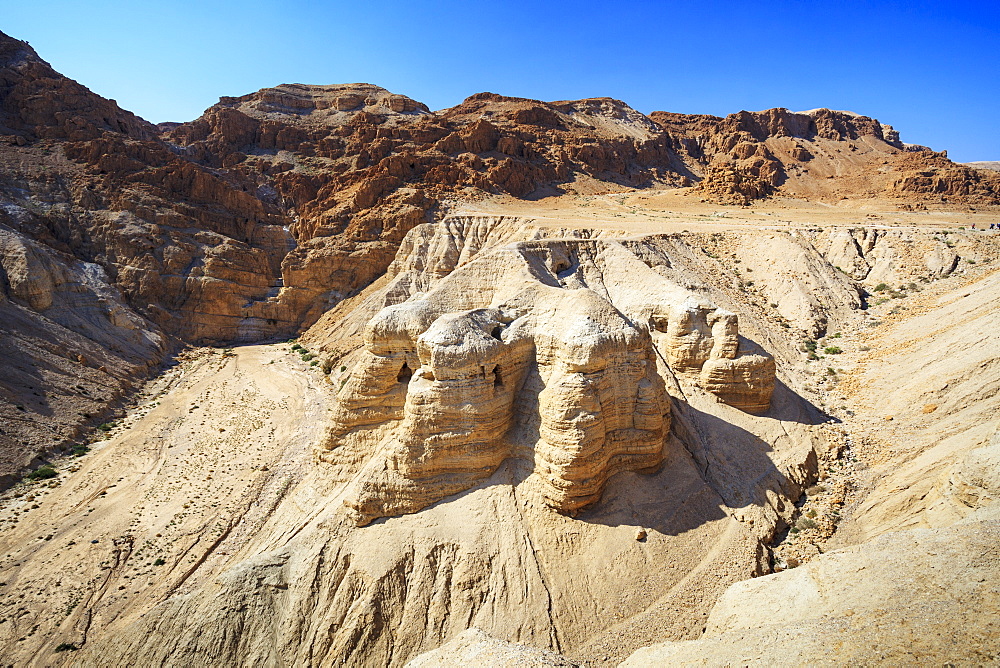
(512, 355)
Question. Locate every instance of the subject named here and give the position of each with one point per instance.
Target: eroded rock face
(69, 345)
(696, 337)
(511, 356)
(252, 220)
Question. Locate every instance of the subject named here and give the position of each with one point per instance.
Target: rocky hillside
(252, 221)
(254, 509)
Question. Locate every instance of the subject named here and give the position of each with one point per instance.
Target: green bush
(42, 473)
(832, 350)
(107, 426)
(881, 287)
(159, 562)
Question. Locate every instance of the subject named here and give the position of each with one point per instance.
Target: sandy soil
(169, 498)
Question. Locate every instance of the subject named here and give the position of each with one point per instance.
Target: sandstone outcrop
(512, 355)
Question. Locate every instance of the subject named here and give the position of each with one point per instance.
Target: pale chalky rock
(524, 353)
(697, 337)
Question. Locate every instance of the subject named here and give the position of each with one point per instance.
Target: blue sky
(931, 69)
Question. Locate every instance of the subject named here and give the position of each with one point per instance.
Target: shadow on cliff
(713, 462)
(789, 406)
(710, 463)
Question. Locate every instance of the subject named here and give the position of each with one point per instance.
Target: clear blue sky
(931, 69)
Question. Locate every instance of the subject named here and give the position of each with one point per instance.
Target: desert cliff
(325, 377)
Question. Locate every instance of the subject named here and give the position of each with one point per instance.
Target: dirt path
(169, 499)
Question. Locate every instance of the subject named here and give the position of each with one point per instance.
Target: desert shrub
(832, 350)
(804, 523)
(159, 562)
(327, 365)
(343, 369)
(296, 346)
(107, 426)
(307, 357)
(42, 473)
(80, 449)
(810, 346)
(881, 287)
(66, 647)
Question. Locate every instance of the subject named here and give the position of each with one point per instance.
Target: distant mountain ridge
(993, 165)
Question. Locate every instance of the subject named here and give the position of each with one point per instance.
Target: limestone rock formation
(817, 153)
(514, 342)
(975, 480)
(38, 103)
(705, 339)
(254, 219)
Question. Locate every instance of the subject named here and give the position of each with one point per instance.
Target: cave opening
(404, 374)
